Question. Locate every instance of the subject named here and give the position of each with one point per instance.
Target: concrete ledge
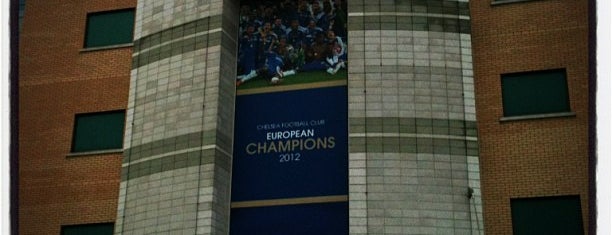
(537, 116)
(98, 152)
(503, 2)
(107, 47)
(289, 201)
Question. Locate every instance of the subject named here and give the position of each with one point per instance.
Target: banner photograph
(291, 43)
(290, 156)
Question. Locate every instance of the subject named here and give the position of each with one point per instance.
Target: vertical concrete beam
(176, 172)
(413, 150)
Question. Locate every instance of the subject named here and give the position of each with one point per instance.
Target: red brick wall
(56, 82)
(530, 158)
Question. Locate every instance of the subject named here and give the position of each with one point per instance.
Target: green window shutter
(89, 229)
(531, 93)
(98, 131)
(547, 215)
(109, 28)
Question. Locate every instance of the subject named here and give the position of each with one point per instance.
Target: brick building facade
(57, 81)
(435, 145)
(536, 156)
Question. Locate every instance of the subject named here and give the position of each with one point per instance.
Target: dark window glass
(109, 28)
(538, 92)
(98, 131)
(546, 215)
(88, 229)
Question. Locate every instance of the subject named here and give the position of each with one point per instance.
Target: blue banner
(291, 144)
(304, 219)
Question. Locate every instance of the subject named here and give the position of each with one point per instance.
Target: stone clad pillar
(413, 149)
(178, 144)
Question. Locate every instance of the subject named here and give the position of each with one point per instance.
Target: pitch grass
(299, 78)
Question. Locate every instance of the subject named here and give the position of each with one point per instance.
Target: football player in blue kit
(336, 59)
(250, 43)
(273, 63)
(295, 34)
(311, 32)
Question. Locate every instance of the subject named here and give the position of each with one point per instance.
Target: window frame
(107, 46)
(74, 152)
(64, 227)
(504, 2)
(549, 200)
(541, 115)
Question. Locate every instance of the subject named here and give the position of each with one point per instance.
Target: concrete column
(176, 171)
(413, 149)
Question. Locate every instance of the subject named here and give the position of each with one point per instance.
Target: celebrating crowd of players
(283, 38)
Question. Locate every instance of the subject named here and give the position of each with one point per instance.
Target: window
(531, 93)
(98, 131)
(109, 28)
(88, 229)
(500, 2)
(546, 215)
